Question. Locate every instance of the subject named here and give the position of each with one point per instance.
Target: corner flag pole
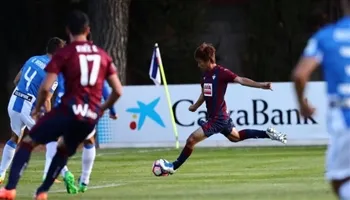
(167, 95)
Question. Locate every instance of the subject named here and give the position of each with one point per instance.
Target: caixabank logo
(145, 111)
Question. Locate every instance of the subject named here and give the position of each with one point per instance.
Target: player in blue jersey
(89, 150)
(330, 48)
(23, 100)
(214, 83)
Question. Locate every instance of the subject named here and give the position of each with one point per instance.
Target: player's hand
(114, 117)
(192, 108)
(306, 109)
(36, 114)
(266, 86)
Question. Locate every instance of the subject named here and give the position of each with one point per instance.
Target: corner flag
(156, 62)
(155, 68)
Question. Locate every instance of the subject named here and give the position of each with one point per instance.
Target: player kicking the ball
(84, 67)
(214, 83)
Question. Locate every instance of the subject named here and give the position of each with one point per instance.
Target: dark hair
(54, 44)
(77, 22)
(205, 52)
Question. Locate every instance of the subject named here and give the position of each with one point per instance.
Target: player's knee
(14, 138)
(232, 138)
(89, 142)
(191, 141)
(65, 150)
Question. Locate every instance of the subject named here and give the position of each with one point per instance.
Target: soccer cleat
(41, 196)
(7, 194)
(275, 135)
(167, 167)
(69, 182)
(82, 187)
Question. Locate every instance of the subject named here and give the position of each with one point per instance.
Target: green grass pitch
(210, 174)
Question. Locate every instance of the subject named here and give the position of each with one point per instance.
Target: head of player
(53, 45)
(78, 26)
(205, 56)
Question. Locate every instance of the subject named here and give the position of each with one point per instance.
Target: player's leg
(338, 164)
(88, 158)
(206, 130)
(67, 146)
(10, 148)
(232, 134)
(51, 149)
(38, 135)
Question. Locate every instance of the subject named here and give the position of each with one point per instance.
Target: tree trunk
(109, 29)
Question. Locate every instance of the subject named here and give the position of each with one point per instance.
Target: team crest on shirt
(208, 89)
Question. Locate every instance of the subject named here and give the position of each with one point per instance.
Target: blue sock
(11, 144)
(20, 162)
(186, 152)
(58, 162)
(252, 133)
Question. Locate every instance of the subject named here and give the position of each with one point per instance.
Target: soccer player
(89, 150)
(84, 67)
(214, 83)
(330, 48)
(23, 99)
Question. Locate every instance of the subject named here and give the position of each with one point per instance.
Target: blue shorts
(59, 122)
(213, 126)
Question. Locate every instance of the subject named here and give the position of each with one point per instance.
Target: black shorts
(213, 126)
(58, 123)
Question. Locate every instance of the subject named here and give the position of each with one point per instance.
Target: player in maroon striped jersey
(84, 67)
(214, 83)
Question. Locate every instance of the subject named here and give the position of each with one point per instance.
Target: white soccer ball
(157, 168)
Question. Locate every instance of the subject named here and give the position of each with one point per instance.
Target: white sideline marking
(139, 151)
(92, 187)
(89, 188)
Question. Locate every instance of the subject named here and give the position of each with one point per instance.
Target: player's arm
(311, 58)
(248, 82)
(48, 104)
(230, 77)
(52, 69)
(105, 94)
(45, 92)
(198, 103)
(115, 84)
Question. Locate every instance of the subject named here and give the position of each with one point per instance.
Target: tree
(109, 28)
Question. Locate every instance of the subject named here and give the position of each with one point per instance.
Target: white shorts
(338, 152)
(19, 121)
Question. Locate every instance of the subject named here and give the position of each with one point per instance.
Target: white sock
(7, 155)
(344, 191)
(51, 149)
(88, 158)
(64, 170)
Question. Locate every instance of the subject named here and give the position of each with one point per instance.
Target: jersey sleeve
(53, 87)
(105, 94)
(111, 69)
(228, 76)
(56, 64)
(313, 50)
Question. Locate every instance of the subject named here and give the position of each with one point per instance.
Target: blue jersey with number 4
(32, 75)
(330, 46)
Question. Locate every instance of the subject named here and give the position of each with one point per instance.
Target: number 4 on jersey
(87, 78)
